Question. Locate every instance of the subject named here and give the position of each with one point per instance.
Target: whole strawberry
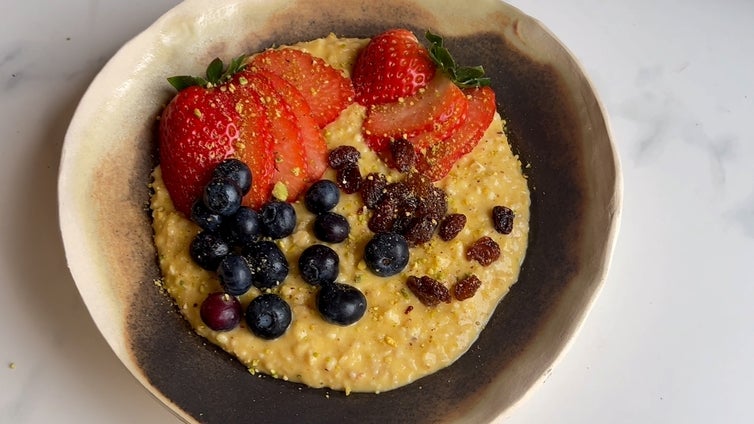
(393, 65)
(198, 129)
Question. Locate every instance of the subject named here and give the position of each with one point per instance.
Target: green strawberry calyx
(462, 76)
(216, 74)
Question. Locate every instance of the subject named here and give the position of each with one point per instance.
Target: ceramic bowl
(554, 121)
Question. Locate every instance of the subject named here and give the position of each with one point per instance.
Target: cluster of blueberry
(230, 245)
(235, 242)
(338, 303)
(385, 254)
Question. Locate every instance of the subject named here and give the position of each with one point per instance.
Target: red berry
(255, 147)
(221, 311)
(198, 129)
(440, 107)
(264, 118)
(288, 156)
(326, 89)
(437, 160)
(393, 65)
(313, 141)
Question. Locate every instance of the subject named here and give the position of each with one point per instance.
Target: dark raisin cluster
(431, 292)
(345, 161)
(412, 207)
(416, 209)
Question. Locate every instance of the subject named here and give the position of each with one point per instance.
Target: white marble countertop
(671, 336)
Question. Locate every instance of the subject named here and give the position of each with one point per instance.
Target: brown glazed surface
(543, 126)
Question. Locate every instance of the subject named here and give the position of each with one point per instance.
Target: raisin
(404, 155)
(372, 189)
(420, 230)
(342, 156)
(412, 207)
(349, 178)
(403, 221)
(384, 215)
(451, 226)
(399, 191)
(502, 219)
(485, 251)
(466, 287)
(430, 292)
(409, 204)
(418, 184)
(434, 203)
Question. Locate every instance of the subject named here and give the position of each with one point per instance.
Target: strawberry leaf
(235, 65)
(215, 71)
(181, 82)
(442, 57)
(464, 76)
(216, 74)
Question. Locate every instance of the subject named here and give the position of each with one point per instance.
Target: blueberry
(267, 263)
(322, 196)
(242, 227)
(386, 254)
(331, 227)
(205, 218)
(318, 264)
(278, 219)
(268, 316)
(341, 304)
(221, 311)
(236, 171)
(222, 196)
(207, 249)
(234, 274)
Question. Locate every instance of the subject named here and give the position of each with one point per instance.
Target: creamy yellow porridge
(399, 339)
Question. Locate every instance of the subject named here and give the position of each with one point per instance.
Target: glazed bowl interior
(553, 120)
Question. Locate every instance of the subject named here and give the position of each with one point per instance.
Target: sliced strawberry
(393, 65)
(198, 129)
(440, 107)
(326, 89)
(313, 142)
(255, 145)
(437, 161)
(288, 154)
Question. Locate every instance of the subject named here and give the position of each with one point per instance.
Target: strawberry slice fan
(421, 95)
(268, 113)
